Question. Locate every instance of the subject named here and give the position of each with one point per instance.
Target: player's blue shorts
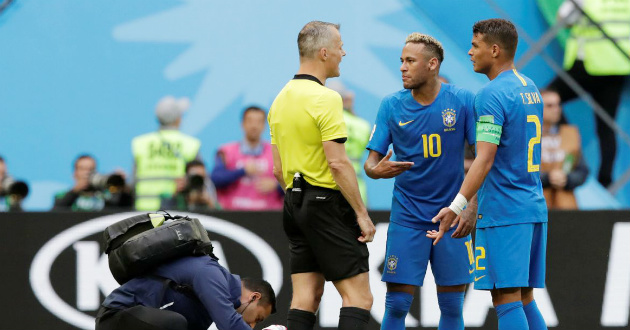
(510, 256)
(409, 252)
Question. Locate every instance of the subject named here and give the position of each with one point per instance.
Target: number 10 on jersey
(432, 145)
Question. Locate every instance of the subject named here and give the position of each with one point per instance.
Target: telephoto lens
(19, 188)
(105, 181)
(195, 182)
(15, 188)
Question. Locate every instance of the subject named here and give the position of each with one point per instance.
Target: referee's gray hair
(314, 36)
(431, 44)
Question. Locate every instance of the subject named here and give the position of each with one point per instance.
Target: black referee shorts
(323, 233)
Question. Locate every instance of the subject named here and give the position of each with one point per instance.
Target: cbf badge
(392, 263)
(449, 118)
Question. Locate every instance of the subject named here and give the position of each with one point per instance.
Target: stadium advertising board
(55, 274)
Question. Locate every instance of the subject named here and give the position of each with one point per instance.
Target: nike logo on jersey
(478, 278)
(471, 271)
(400, 123)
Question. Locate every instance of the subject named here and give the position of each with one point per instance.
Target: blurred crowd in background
(170, 174)
(169, 171)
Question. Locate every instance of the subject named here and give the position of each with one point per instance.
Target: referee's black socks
(353, 318)
(300, 320)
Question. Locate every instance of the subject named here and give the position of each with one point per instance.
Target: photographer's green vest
(160, 158)
(600, 56)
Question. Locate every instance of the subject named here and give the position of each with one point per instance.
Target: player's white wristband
(458, 204)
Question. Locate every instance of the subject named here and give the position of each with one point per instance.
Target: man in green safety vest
(597, 64)
(160, 157)
(358, 134)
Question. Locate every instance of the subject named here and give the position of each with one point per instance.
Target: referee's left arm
(277, 167)
(344, 175)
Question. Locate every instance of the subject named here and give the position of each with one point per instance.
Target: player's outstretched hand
(467, 221)
(446, 218)
(388, 169)
(367, 228)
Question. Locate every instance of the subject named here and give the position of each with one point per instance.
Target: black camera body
(195, 182)
(12, 187)
(15, 192)
(106, 181)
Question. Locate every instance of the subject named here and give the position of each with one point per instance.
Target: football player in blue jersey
(428, 124)
(511, 237)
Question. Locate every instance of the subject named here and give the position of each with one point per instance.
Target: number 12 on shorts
(471, 257)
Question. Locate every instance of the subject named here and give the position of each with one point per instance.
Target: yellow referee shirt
(303, 115)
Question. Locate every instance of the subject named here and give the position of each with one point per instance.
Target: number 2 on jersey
(430, 148)
(532, 142)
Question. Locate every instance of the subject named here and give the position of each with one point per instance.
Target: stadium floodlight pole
(617, 185)
(4, 5)
(541, 43)
(584, 95)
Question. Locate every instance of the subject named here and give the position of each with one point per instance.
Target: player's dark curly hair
(268, 296)
(498, 31)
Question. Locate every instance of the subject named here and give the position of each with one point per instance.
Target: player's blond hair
(314, 36)
(431, 45)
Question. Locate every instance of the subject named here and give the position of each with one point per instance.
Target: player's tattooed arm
(473, 180)
(467, 220)
(378, 166)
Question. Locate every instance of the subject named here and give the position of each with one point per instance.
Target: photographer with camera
(93, 191)
(195, 192)
(12, 192)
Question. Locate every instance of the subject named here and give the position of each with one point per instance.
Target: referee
(325, 220)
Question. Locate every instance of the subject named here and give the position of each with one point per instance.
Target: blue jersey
(433, 137)
(512, 192)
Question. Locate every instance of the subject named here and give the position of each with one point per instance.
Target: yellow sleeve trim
(520, 78)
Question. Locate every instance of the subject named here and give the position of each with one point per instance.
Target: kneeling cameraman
(188, 293)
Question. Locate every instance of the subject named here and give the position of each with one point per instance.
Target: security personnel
(588, 44)
(187, 293)
(325, 219)
(160, 157)
(597, 64)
